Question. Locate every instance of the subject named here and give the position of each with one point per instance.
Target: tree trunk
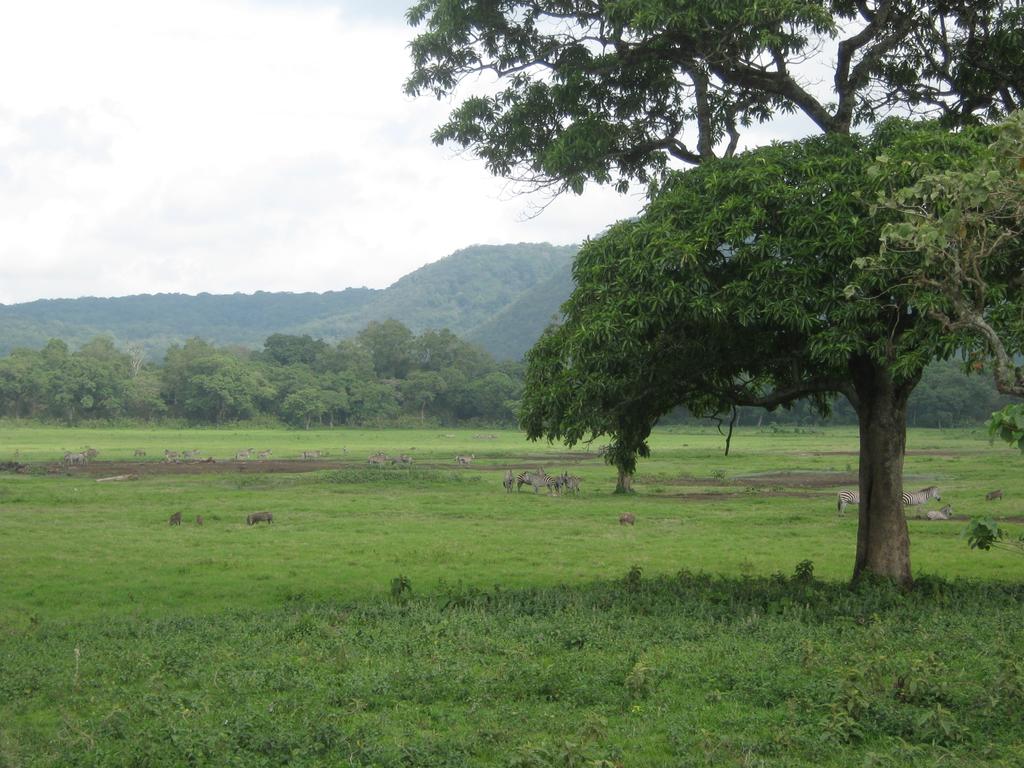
(625, 482)
(883, 541)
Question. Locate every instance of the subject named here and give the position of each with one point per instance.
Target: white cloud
(234, 145)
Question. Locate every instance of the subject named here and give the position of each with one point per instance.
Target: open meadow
(422, 616)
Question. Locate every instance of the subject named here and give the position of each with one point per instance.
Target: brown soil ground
(159, 468)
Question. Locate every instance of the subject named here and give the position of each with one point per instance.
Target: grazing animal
(189, 455)
(259, 517)
(263, 455)
(536, 479)
(627, 519)
(91, 453)
(199, 519)
(464, 461)
(139, 452)
(571, 483)
(176, 518)
(311, 454)
(170, 456)
(908, 499)
(405, 460)
(845, 498)
(243, 455)
(509, 481)
(914, 498)
(76, 458)
(379, 459)
(993, 495)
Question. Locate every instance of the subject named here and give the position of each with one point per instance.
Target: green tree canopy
(613, 91)
(742, 283)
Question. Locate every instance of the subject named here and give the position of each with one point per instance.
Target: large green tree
(736, 286)
(744, 283)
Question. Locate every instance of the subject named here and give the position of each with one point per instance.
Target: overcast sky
(235, 145)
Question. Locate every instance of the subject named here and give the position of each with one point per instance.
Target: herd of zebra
(541, 479)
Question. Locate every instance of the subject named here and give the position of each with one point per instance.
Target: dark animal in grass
(259, 517)
(176, 518)
(993, 495)
(627, 519)
(199, 519)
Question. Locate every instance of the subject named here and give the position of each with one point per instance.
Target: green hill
(465, 292)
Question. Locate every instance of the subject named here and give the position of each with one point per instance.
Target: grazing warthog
(259, 517)
(464, 461)
(993, 495)
(199, 519)
(627, 519)
(176, 518)
(76, 458)
(509, 481)
(263, 455)
(139, 453)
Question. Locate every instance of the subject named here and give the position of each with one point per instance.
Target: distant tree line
(386, 375)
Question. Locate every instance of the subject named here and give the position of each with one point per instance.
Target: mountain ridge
(464, 292)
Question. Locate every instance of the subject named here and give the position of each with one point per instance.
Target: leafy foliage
(613, 92)
(387, 373)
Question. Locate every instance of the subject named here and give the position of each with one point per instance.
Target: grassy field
(522, 629)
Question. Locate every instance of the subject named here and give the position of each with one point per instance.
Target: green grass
(521, 642)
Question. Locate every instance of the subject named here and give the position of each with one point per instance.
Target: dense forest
(386, 375)
(497, 296)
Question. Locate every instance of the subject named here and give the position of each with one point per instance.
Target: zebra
(311, 454)
(846, 497)
(907, 499)
(572, 483)
(464, 461)
(509, 481)
(404, 459)
(263, 455)
(76, 458)
(170, 456)
(913, 498)
(536, 479)
(244, 455)
(190, 455)
(139, 452)
(946, 513)
(379, 459)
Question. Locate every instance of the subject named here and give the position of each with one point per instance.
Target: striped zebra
(908, 499)
(537, 479)
(509, 481)
(572, 483)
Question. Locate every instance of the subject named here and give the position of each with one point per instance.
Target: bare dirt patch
(737, 494)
